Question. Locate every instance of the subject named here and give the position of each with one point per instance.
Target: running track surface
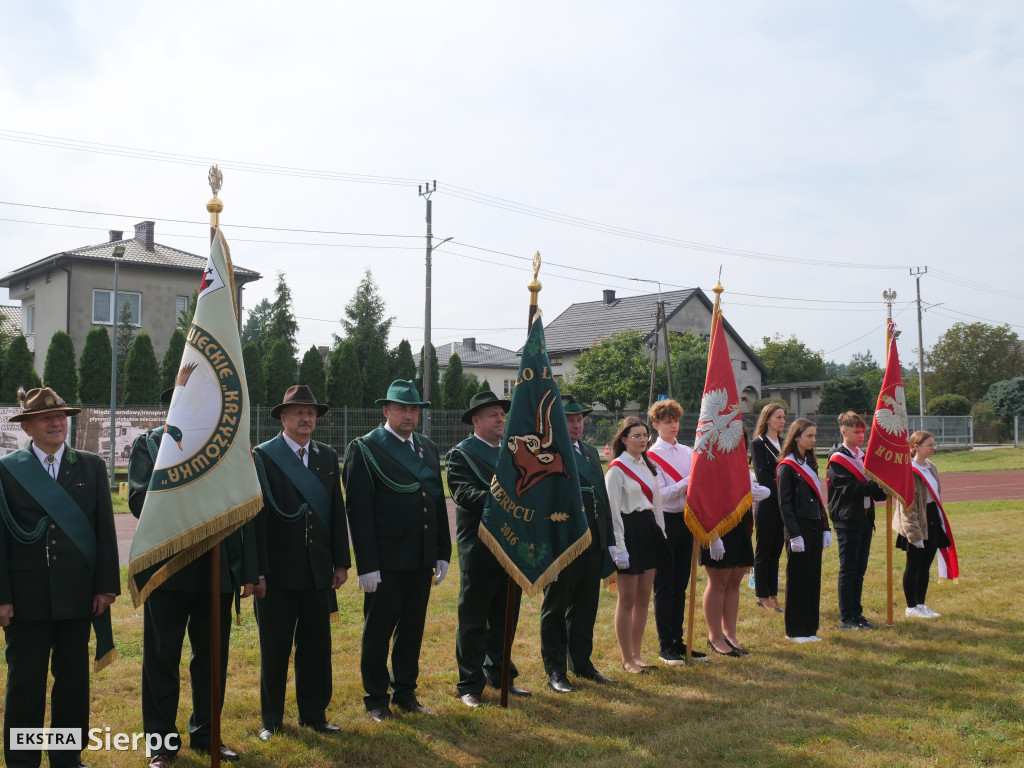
(956, 486)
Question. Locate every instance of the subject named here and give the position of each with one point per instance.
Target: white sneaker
(927, 612)
(800, 639)
(915, 613)
(814, 639)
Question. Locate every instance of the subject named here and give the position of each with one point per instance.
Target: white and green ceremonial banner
(204, 483)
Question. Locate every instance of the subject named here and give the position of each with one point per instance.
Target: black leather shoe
(413, 708)
(471, 700)
(513, 689)
(324, 728)
(559, 683)
(265, 735)
(380, 714)
(160, 761)
(731, 652)
(597, 677)
(226, 753)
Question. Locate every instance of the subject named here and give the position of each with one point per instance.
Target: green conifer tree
(375, 374)
(59, 370)
(254, 377)
(344, 380)
(279, 370)
(17, 369)
(141, 373)
(172, 359)
(94, 368)
(313, 374)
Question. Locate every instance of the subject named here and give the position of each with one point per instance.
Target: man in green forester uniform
(304, 557)
(399, 524)
(483, 586)
(58, 570)
(570, 603)
(180, 604)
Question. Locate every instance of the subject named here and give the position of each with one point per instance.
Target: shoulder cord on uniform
(20, 534)
(473, 466)
(151, 445)
(261, 473)
(371, 462)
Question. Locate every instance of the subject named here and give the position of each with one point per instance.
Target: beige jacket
(912, 522)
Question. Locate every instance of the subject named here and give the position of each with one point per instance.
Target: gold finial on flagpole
(718, 290)
(534, 285)
(214, 205)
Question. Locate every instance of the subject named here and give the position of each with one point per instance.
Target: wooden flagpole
(692, 599)
(889, 297)
(215, 206)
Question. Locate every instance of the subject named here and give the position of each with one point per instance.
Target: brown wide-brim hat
(482, 400)
(41, 400)
(299, 394)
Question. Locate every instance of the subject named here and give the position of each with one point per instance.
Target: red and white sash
(949, 564)
(644, 483)
(663, 463)
(810, 479)
(856, 466)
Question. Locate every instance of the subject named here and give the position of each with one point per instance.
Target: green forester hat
(403, 391)
(569, 405)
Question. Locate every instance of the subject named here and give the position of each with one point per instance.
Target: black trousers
(166, 617)
(767, 551)
(803, 582)
(568, 614)
(393, 616)
(670, 584)
(854, 550)
(480, 638)
(915, 576)
(302, 617)
(30, 647)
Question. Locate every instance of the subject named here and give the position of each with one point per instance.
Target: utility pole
(425, 190)
(916, 273)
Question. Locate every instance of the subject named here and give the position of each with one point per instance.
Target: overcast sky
(805, 147)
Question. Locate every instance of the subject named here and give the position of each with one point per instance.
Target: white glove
(797, 544)
(759, 492)
(620, 557)
(440, 571)
(826, 539)
(368, 581)
(918, 544)
(717, 549)
(683, 484)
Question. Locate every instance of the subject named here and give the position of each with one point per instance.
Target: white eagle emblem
(893, 421)
(719, 424)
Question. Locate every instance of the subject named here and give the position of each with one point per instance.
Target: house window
(510, 384)
(805, 395)
(556, 360)
(743, 365)
(29, 321)
(180, 305)
(101, 314)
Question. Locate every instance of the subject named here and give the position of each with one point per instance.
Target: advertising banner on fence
(92, 431)
(12, 436)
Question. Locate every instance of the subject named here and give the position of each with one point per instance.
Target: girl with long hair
(764, 450)
(639, 525)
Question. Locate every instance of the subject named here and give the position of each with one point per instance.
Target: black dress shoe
(741, 651)
(265, 735)
(596, 677)
(413, 708)
(731, 652)
(471, 700)
(380, 714)
(513, 689)
(559, 683)
(160, 761)
(226, 753)
(324, 727)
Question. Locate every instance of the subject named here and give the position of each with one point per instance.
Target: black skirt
(739, 551)
(936, 536)
(645, 542)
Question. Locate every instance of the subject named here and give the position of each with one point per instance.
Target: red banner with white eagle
(719, 489)
(887, 460)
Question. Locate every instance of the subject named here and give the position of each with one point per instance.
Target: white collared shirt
(295, 449)
(625, 496)
(41, 455)
(485, 442)
(408, 440)
(680, 457)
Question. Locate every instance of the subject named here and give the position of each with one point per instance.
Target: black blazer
(797, 500)
(392, 530)
(57, 585)
(846, 494)
(301, 554)
(764, 457)
(240, 557)
(470, 494)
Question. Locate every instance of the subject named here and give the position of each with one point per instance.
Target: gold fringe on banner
(108, 658)
(188, 547)
(887, 488)
(727, 524)
(551, 572)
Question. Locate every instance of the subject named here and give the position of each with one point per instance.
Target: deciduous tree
(845, 393)
(614, 373)
(970, 357)
(1007, 398)
(789, 359)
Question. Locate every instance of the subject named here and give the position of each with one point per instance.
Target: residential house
(583, 325)
(72, 290)
(499, 366)
(803, 397)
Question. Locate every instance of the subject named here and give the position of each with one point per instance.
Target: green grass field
(943, 692)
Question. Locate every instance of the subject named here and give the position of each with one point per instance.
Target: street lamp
(118, 253)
